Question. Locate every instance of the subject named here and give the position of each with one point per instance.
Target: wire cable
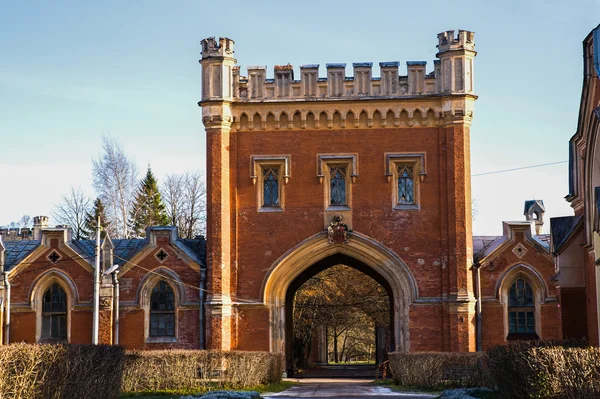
(521, 168)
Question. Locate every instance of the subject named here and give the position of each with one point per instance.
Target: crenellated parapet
(450, 77)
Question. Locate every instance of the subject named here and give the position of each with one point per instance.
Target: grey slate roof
(125, 249)
(16, 251)
(197, 246)
(561, 229)
(482, 242)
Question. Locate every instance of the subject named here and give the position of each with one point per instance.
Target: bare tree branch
(72, 210)
(115, 180)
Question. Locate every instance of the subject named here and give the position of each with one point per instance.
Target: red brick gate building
(387, 159)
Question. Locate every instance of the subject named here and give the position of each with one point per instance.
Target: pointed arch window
(521, 311)
(406, 185)
(162, 311)
(337, 183)
(271, 186)
(54, 313)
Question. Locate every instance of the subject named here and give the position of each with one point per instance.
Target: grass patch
(272, 388)
(399, 388)
(170, 394)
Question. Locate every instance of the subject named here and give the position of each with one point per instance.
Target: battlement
(452, 73)
(448, 41)
(210, 47)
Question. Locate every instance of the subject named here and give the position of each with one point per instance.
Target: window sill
(270, 209)
(522, 337)
(404, 207)
(336, 208)
(53, 341)
(160, 340)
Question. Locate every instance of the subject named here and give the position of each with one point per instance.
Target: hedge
(439, 369)
(60, 371)
(546, 369)
(198, 369)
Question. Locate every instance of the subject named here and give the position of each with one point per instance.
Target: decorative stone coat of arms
(337, 232)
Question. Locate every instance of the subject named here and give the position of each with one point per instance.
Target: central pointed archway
(315, 254)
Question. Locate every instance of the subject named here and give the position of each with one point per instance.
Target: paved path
(351, 389)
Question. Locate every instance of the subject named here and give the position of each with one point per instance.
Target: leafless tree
(71, 211)
(115, 181)
(25, 221)
(173, 196)
(185, 198)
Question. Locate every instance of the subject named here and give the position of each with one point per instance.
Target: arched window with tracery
(54, 313)
(521, 311)
(162, 311)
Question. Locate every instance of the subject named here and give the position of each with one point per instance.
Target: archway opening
(339, 319)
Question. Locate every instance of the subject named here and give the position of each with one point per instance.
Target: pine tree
(148, 208)
(91, 220)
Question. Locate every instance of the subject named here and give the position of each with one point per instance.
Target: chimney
(39, 223)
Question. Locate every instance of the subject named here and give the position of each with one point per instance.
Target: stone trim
(365, 249)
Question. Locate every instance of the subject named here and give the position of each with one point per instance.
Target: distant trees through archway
(340, 315)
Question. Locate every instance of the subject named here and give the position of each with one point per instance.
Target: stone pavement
(340, 389)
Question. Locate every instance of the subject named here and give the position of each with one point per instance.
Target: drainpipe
(201, 311)
(96, 288)
(7, 311)
(116, 305)
(477, 267)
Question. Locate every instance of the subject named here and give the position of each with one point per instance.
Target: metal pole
(7, 311)
(201, 315)
(116, 305)
(478, 306)
(96, 287)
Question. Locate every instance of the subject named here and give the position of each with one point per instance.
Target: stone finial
(309, 75)
(210, 47)
(336, 74)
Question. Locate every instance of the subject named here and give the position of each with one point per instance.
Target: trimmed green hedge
(199, 369)
(60, 371)
(546, 369)
(439, 369)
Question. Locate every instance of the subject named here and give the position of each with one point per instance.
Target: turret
(534, 210)
(456, 54)
(217, 69)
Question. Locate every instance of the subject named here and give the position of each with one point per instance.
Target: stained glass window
(521, 319)
(406, 185)
(337, 180)
(54, 313)
(162, 311)
(271, 187)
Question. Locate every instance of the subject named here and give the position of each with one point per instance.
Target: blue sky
(71, 71)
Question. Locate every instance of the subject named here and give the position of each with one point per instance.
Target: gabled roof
(487, 247)
(561, 229)
(16, 251)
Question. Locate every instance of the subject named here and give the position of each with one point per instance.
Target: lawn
(271, 388)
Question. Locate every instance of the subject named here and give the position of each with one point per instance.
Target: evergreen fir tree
(148, 208)
(91, 220)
